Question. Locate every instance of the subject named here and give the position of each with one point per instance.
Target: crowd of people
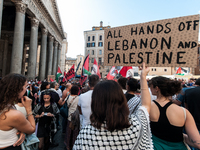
(159, 114)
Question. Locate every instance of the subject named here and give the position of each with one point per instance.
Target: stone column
(55, 53)
(24, 59)
(50, 55)
(43, 52)
(58, 57)
(5, 52)
(18, 41)
(32, 58)
(1, 12)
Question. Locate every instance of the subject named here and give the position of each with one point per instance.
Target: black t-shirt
(129, 96)
(45, 120)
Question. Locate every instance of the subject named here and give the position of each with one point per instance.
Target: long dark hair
(167, 86)
(109, 106)
(43, 85)
(10, 87)
(46, 92)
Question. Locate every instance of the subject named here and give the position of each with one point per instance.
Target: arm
(79, 108)
(145, 95)
(193, 137)
(20, 122)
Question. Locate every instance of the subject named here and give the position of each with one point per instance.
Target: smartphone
(45, 114)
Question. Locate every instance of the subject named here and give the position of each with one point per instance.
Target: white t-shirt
(59, 92)
(85, 104)
(22, 109)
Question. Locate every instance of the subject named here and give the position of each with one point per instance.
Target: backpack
(64, 109)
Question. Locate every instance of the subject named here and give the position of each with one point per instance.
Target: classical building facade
(25, 27)
(94, 46)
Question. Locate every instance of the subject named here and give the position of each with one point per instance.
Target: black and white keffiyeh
(136, 137)
(134, 103)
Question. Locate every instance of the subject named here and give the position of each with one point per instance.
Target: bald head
(68, 86)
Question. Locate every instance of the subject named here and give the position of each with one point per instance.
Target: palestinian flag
(59, 73)
(180, 72)
(85, 70)
(86, 66)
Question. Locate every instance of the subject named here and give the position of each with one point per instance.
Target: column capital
(34, 22)
(51, 38)
(56, 43)
(44, 31)
(20, 6)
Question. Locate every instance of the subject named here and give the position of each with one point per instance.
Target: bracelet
(29, 114)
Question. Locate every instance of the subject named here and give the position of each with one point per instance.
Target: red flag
(126, 71)
(70, 74)
(111, 74)
(63, 80)
(51, 80)
(95, 68)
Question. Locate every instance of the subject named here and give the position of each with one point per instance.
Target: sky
(78, 16)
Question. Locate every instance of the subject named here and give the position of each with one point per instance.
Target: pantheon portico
(32, 25)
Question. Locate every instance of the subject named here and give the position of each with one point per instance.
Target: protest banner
(163, 43)
(70, 74)
(51, 77)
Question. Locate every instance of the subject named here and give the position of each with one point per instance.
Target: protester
(84, 104)
(13, 88)
(192, 103)
(168, 119)
(133, 100)
(111, 127)
(122, 82)
(45, 85)
(66, 92)
(45, 112)
(32, 94)
(72, 102)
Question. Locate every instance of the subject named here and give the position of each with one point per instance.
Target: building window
(93, 44)
(100, 61)
(92, 60)
(100, 52)
(100, 37)
(100, 28)
(165, 70)
(100, 44)
(88, 44)
(80, 58)
(93, 38)
(91, 68)
(88, 51)
(92, 52)
(93, 29)
(152, 69)
(88, 38)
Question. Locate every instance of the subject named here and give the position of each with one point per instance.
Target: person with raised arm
(12, 121)
(111, 126)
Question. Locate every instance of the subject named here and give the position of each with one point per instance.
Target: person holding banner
(168, 119)
(111, 127)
